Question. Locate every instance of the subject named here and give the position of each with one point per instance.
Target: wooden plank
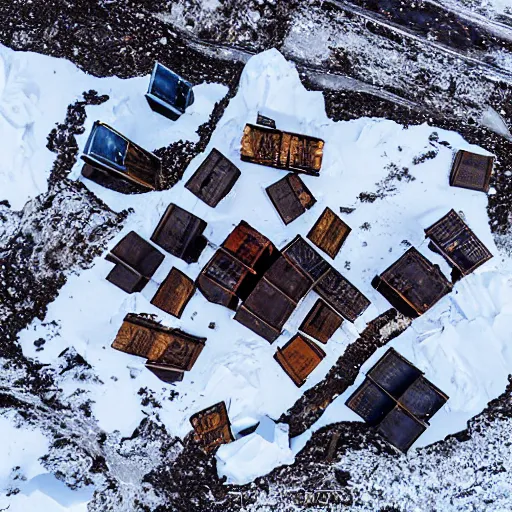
(321, 322)
(174, 293)
(298, 358)
(329, 233)
(214, 178)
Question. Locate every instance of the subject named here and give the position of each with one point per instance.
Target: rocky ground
(434, 64)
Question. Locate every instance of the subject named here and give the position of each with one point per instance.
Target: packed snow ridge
(461, 344)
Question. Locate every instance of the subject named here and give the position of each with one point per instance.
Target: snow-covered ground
(461, 344)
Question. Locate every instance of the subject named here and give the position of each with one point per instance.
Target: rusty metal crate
(457, 243)
(401, 429)
(423, 399)
(135, 263)
(214, 178)
(302, 255)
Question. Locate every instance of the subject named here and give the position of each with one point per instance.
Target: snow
(460, 344)
(256, 454)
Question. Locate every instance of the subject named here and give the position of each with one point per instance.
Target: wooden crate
(212, 427)
(179, 232)
(214, 178)
(135, 263)
(298, 358)
(290, 197)
(472, 171)
(329, 233)
(321, 322)
(174, 293)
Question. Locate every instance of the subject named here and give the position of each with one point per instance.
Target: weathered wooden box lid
(298, 358)
(471, 170)
(250, 247)
(401, 428)
(423, 399)
(415, 281)
(290, 197)
(212, 427)
(329, 233)
(370, 402)
(341, 295)
(288, 279)
(394, 373)
(457, 243)
(144, 337)
(214, 178)
(136, 261)
(321, 322)
(180, 233)
(174, 293)
(284, 150)
(302, 255)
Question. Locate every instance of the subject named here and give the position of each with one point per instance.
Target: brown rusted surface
(329, 233)
(284, 150)
(288, 279)
(298, 358)
(214, 178)
(397, 398)
(290, 197)
(212, 427)
(166, 348)
(471, 170)
(180, 233)
(302, 255)
(135, 263)
(174, 293)
(457, 243)
(413, 284)
(321, 322)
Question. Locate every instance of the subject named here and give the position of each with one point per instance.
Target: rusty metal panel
(214, 178)
(416, 281)
(329, 233)
(301, 254)
(212, 427)
(256, 324)
(321, 322)
(401, 428)
(248, 245)
(284, 150)
(290, 197)
(370, 402)
(288, 279)
(298, 358)
(180, 233)
(341, 295)
(472, 171)
(457, 243)
(423, 399)
(215, 293)
(182, 351)
(394, 373)
(174, 293)
(136, 261)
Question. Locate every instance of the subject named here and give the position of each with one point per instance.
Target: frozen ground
(403, 171)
